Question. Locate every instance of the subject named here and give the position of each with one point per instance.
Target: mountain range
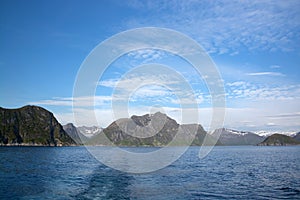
(33, 125)
(152, 130)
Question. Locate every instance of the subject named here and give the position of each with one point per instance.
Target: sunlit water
(246, 172)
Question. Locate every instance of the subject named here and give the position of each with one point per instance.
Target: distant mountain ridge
(279, 140)
(31, 125)
(234, 137)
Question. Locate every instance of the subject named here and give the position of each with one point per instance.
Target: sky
(255, 46)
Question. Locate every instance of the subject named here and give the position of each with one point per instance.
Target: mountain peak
(145, 120)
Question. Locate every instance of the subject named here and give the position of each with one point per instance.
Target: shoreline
(36, 145)
(146, 146)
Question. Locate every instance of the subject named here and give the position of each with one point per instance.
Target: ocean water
(242, 172)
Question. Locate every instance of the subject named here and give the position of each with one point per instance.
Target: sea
(227, 172)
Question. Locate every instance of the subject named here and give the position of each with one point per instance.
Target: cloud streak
(286, 115)
(265, 74)
(80, 101)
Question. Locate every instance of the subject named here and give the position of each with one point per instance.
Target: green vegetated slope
(31, 125)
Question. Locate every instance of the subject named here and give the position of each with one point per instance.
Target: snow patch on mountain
(234, 137)
(242, 133)
(90, 131)
(268, 133)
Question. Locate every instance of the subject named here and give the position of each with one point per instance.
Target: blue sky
(254, 44)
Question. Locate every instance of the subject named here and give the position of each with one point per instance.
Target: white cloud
(265, 74)
(111, 83)
(271, 124)
(79, 101)
(275, 66)
(86, 117)
(147, 55)
(53, 102)
(150, 91)
(237, 84)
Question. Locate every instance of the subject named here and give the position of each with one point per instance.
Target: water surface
(245, 172)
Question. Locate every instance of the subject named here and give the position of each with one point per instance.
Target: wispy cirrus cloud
(147, 55)
(265, 74)
(224, 27)
(247, 90)
(275, 66)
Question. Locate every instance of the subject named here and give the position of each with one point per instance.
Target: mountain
(279, 140)
(31, 125)
(269, 133)
(89, 131)
(297, 136)
(73, 132)
(151, 130)
(234, 137)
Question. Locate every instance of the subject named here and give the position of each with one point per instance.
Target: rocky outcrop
(31, 125)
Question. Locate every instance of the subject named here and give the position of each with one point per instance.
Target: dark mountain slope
(31, 125)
